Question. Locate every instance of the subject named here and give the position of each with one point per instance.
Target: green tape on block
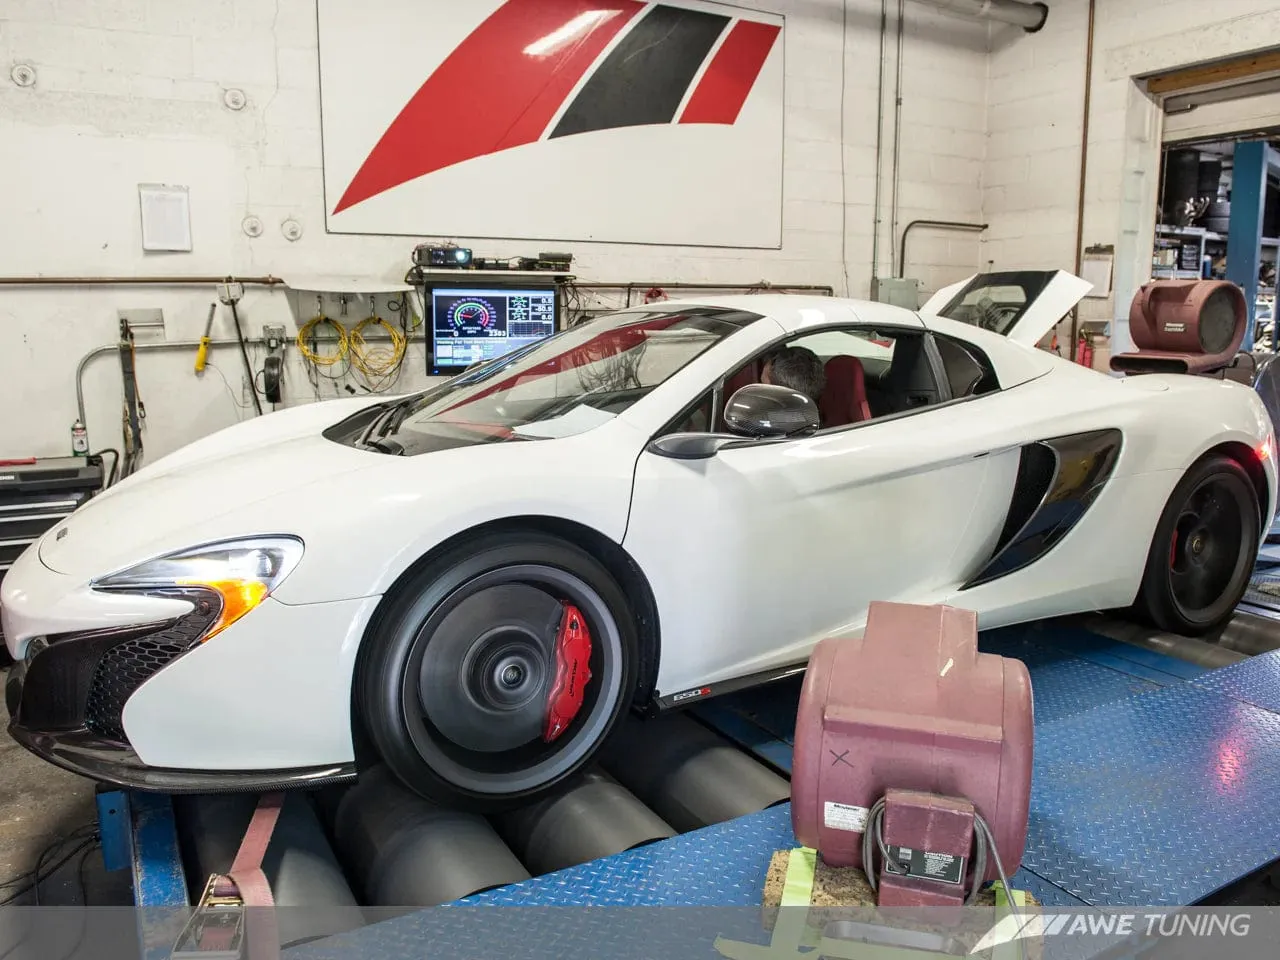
(792, 926)
(797, 889)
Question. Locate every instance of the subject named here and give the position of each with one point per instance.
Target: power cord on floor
(37, 875)
(85, 838)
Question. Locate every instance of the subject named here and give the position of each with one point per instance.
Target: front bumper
(119, 688)
(74, 747)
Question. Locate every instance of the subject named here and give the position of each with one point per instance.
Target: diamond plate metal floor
(1154, 785)
(1255, 681)
(1155, 800)
(1154, 778)
(1264, 585)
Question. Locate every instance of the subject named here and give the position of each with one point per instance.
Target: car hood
(165, 506)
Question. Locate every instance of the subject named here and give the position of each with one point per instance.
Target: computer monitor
(470, 324)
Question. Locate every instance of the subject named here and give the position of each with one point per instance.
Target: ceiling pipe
(1029, 16)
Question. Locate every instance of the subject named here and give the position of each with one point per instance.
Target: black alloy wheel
(498, 670)
(1204, 549)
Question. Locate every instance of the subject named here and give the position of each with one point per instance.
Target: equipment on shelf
(447, 257)
(471, 324)
(1184, 326)
(36, 494)
(550, 261)
(427, 257)
(914, 749)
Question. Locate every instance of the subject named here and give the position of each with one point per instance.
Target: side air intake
(1043, 511)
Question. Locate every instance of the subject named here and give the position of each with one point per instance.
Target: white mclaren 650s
(474, 583)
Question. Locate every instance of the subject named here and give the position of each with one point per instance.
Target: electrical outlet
(273, 336)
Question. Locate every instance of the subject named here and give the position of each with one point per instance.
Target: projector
(425, 255)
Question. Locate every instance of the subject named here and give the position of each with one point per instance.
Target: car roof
(1014, 362)
(796, 312)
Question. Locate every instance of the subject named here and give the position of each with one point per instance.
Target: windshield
(565, 385)
(996, 301)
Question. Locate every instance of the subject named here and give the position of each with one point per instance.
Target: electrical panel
(899, 291)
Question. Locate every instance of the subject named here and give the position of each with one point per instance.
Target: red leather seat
(844, 399)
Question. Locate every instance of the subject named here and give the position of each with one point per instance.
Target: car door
(1023, 305)
(760, 551)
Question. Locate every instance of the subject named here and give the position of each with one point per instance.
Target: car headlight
(242, 573)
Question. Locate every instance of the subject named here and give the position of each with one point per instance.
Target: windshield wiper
(386, 445)
(382, 424)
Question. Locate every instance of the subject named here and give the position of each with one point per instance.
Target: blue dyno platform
(1155, 784)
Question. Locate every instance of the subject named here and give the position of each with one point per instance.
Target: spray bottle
(79, 439)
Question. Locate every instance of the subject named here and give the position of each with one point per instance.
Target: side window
(968, 372)
(872, 373)
(697, 419)
(865, 374)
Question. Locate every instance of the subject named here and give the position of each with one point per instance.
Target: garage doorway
(1218, 208)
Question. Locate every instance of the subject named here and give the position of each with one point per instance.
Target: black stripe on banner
(644, 78)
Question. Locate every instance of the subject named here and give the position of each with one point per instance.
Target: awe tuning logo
(548, 69)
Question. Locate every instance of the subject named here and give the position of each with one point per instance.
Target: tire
(453, 679)
(1203, 551)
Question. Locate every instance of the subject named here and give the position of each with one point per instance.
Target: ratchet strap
(221, 923)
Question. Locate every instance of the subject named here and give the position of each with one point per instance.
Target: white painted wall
(130, 91)
(1035, 108)
(1229, 116)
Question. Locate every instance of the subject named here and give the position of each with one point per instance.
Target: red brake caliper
(572, 654)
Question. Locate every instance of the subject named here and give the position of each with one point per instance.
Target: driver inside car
(798, 368)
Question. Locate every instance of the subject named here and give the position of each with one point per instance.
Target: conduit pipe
(938, 225)
(106, 348)
(267, 281)
(191, 345)
(1084, 172)
(1029, 16)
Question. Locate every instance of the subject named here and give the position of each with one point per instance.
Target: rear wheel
(498, 670)
(1203, 551)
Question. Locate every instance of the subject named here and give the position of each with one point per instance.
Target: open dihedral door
(1023, 305)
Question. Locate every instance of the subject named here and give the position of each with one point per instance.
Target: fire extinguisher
(1084, 351)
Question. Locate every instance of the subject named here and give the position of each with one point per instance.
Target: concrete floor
(40, 803)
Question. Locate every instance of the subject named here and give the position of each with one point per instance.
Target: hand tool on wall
(202, 353)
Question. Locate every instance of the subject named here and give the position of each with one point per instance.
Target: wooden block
(842, 893)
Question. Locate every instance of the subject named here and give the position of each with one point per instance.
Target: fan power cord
(984, 845)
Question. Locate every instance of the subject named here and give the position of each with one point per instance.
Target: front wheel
(498, 670)
(1203, 551)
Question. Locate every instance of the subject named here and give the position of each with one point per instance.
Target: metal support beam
(1252, 161)
(159, 884)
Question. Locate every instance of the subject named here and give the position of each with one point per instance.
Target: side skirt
(685, 698)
